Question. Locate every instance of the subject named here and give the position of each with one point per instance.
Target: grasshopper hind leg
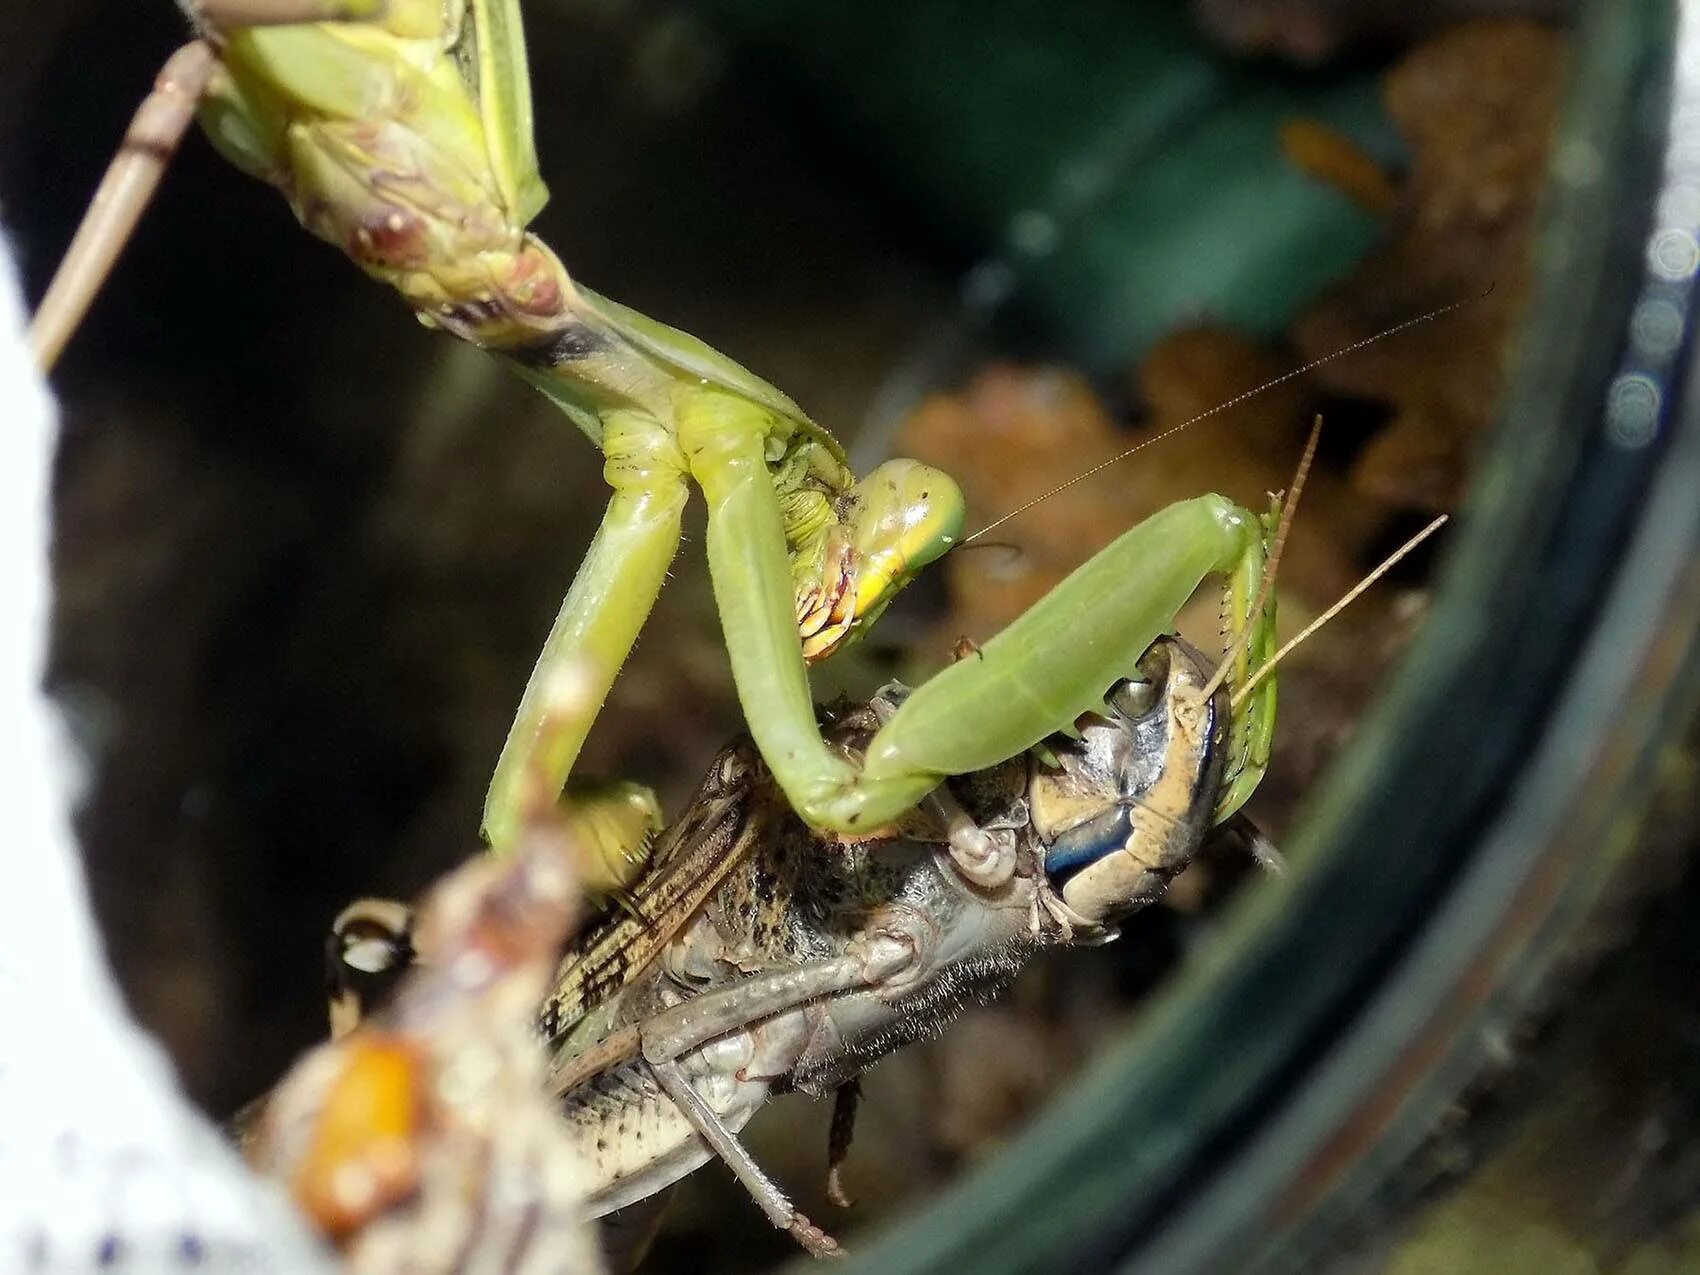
(767, 1195)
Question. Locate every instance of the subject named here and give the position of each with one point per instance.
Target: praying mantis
(400, 131)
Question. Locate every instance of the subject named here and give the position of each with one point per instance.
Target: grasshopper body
(790, 964)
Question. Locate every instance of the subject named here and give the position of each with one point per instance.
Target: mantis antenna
(1235, 401)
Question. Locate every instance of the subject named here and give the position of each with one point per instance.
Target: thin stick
(124, 192)
(1235, 401)
(1351, 596)
(227, 15)
(1289, 506)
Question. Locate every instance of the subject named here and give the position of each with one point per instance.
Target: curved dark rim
(1484, 805)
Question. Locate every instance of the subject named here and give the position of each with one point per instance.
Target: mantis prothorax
(401, 132)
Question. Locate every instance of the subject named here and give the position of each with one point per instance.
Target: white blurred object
(104, 1165)
(426, 1139)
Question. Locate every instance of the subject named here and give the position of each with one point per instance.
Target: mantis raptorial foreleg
(1035, 677)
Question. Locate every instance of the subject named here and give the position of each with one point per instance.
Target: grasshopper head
(907, 515)
(1131, 799)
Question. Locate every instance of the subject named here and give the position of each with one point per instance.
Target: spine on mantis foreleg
(1052, 664)
(1248, 622)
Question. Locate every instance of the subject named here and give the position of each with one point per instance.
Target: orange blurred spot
(362, 1157)
(1318, 151)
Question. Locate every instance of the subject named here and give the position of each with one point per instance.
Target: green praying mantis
(400, 131)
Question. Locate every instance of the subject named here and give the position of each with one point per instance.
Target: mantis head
(906, 515)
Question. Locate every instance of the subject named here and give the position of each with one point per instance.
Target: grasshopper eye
(910, 515)
(1133, 697)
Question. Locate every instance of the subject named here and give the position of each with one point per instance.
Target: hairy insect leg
(610, 598)
(124, 192)
(670, 1034)
(846, 1099)
(767, 1195)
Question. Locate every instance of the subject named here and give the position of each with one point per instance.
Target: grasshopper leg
(670, 1034)
(767, 1195)
(673, 1033)
(611, 596)
(846, 1099)
(123, 195)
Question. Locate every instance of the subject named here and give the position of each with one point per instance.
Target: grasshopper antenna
(1289, 507)
(1235, 401)
(1351, 595)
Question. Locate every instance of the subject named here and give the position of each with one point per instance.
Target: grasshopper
(400, 131)
(763, 964)
(752, 960)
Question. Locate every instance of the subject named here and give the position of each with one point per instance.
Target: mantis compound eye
(910, 515)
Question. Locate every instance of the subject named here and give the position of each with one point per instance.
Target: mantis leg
(612, 595)
(226, 15)
(1036, 677)
(123, 195)
(504, 102)
(1055, 661)
(724, 438)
